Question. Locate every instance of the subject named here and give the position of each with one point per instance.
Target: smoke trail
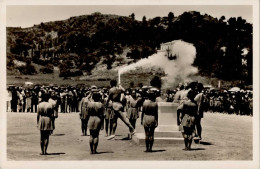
(177, 70)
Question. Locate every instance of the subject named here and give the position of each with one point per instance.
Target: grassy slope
(101, 76)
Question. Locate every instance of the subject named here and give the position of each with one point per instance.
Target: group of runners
(97, 107)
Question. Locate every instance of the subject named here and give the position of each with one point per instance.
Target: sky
(28, 15)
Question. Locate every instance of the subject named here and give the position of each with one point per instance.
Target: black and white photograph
(130, 84)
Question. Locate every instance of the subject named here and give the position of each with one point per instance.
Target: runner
(132, 111)
(200, 99)
(116, 94)
(53, 102)
(188, 110)
(149, 119)
(108, 119)
(96, 121)
(44, 122)
(84, 115)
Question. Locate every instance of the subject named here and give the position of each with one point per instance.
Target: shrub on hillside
(9, 63)
(68, 73)
(40, 61)
(64, 73)
(28, 69)
(47, 69)
(87, 67)
(76, 73)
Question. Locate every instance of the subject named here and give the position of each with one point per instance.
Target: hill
(82, 45)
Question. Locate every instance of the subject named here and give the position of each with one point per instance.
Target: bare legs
(132, 122)
(198, 126)
(178, 117)
(107, 126)
(93, 140)
(149, 138)
(125, 120)
(121, 115)
(84, 126)
(113, 125)
(44, 141)
(187, 135)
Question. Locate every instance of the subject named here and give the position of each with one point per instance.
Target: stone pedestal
(167, 131)
(167, 117)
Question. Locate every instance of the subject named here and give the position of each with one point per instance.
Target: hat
(153, 89)
(93, 87)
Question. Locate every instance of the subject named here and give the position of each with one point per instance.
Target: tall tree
(170, 17)
(144, 21)
(132, 16)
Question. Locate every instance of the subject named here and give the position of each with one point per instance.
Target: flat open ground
(225, 137)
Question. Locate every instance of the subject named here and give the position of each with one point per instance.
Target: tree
(155, 21)
(156, 82)
(28, 69)
(140, 85)
(232, 21)
(144, 21)
(222, 18)
(47, 69)
(135, 54)
(132, 16)
(170, 17)
(132, 84)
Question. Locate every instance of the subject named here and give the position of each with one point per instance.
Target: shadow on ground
(105, 152)
(125, 138)
(156, 151)
(195, 149)
(55, 153)
(58, 134)
(205, 143)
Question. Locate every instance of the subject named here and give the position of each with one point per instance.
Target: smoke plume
(177, 70)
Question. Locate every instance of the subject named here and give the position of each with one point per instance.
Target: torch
(119, 81)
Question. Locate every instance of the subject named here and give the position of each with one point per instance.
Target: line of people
(239, 103)
(26, 99)
(222, 101)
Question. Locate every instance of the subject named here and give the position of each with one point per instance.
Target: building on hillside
(167, 49)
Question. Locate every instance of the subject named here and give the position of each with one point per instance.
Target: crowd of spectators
(238, 102)
(26, 99)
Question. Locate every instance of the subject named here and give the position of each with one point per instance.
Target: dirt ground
(225, 137)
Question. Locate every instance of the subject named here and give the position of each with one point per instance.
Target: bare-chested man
(115, 95)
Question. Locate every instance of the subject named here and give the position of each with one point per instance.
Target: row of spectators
(26, 99)
(21, 99)
(238, 102)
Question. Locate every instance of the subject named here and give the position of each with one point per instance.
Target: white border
(133, 164)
